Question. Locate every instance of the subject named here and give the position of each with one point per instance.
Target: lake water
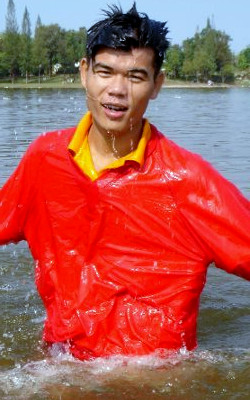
(212, 122)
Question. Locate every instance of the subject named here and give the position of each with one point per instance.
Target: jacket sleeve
(220, 215)
(15, 201)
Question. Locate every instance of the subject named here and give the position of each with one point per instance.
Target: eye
(104, 73)
(136, 77)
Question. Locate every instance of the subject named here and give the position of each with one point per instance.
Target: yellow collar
(81, 152)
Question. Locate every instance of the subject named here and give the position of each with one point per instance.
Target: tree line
(205, 56)
(50, 50)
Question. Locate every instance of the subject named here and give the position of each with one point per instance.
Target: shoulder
(175, 157)
(54, 141)
(190, 172)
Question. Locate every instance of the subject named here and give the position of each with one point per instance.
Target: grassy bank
(55, 82)
(69, 82)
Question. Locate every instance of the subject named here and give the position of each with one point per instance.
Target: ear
(83, 71)
(157, 85)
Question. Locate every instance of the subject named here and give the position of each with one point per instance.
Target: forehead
(135, 58)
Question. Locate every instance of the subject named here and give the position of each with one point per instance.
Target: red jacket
(121, 261)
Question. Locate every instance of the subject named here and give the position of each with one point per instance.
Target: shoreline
(77, 85)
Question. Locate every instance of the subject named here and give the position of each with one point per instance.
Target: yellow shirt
(79, 146)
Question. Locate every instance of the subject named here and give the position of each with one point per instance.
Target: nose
(118, 86)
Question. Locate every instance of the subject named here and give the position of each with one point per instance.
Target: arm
(14, 202)
(220, 215)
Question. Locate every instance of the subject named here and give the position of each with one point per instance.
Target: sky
(184, 17)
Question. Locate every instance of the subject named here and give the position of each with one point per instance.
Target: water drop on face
(113, 144)
(131, 124)
(131, 145)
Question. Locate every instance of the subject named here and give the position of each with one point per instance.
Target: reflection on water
(214, 123)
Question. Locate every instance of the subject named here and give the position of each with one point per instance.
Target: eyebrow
(131, 70)
(101, 65)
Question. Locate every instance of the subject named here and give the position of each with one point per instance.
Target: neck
(106, 147)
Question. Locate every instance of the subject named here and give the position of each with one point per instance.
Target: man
(122, 222)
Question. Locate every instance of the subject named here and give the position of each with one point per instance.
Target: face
(119, 86)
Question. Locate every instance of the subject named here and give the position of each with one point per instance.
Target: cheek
(142, 94)
(91, 94)
(95, 90)
(140, 100)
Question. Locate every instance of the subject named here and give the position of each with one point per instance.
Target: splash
(183, 374)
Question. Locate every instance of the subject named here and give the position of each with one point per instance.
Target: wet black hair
(125, 31)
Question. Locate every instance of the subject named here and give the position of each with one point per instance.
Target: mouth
(115, 107)
(114, 111)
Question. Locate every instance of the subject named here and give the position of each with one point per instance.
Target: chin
(115, 128)
(114, 132)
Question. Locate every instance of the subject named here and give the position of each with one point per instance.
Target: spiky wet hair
(125, 31)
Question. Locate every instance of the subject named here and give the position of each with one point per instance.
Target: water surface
(214, 123)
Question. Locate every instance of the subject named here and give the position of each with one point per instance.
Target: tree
(38, 23)
(216, 44)
(74, 49)
(4, 68)
(39, 52)
(207, 53)
(203, 64)
(25, 56)
(188, 69)
(227, 73)
(244, 59)
(11, 41)
(174, 61)
(189, 47)
(48, 46)
(11, 22)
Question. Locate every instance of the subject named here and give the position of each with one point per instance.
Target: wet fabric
(81, 152)
(121, 261)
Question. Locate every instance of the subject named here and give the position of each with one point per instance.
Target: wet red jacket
(121, 261)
